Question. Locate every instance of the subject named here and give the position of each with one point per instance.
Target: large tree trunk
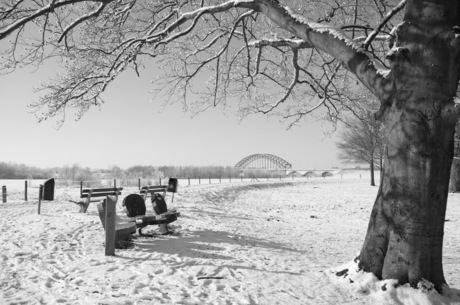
(406, 228)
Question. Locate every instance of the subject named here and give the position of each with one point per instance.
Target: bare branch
(40, 12)
(81, 19)
(385, 20)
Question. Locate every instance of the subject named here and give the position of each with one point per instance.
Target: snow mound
(361, 283)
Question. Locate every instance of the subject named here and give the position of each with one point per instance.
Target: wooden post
(110, 210)
(40, 193)
(81, 188)
(25, 190)
(188, 180)
(114, 183)
(160, 181)
(139, 183)
(199, 180)
(209, 180)
(4, 194)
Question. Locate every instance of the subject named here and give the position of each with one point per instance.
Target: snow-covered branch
(385, 20)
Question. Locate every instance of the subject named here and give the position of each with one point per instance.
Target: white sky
(130, 130)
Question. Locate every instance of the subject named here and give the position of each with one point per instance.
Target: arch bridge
(263, 161)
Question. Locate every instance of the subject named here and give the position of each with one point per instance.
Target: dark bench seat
(163, 220)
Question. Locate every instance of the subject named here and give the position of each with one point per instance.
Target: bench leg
(164, 229)
(84, 206)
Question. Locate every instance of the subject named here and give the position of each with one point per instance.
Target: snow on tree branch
(208, 52)
(385, 20)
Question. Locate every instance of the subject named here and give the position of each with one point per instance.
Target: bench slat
(102, 190)
(101, 194)
(153, 189)
(157, 187)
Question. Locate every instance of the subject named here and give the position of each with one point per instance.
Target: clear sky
(130, 130)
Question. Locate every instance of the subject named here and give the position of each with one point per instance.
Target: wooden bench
(160, 215)
(147, 191)
(124, 227)
(94, 194)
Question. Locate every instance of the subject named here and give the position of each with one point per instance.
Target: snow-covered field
(241, 243)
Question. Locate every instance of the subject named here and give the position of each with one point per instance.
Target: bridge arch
(263, 161)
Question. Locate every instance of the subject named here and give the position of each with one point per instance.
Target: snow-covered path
(241, 243)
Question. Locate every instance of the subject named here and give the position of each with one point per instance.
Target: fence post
(199, 180)
(160, 181)
(188, 180)
(81, 187)
(25, 190)
(4, 194)
(114, 183)
(209, 180)
(110, 226)
(139, 183)
(220, 180)
(40, 192)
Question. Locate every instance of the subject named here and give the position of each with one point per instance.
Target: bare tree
(362, 141)
(265, 57)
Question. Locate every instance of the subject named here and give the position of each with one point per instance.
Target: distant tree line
(21, 171)
(75, 172)
(190, 171)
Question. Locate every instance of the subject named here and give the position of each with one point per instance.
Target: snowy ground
(239, 243)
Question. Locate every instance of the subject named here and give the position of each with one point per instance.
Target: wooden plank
(100, 194)
(40, 192)
(110, 211)
(108, 189)
(159, 187)
(153, 189)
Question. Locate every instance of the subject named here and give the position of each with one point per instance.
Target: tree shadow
(203, 244)
(453, 296)
(211, 212)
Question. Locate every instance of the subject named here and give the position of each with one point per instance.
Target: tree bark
(406, 227)
(372, 173)
(454, 183)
